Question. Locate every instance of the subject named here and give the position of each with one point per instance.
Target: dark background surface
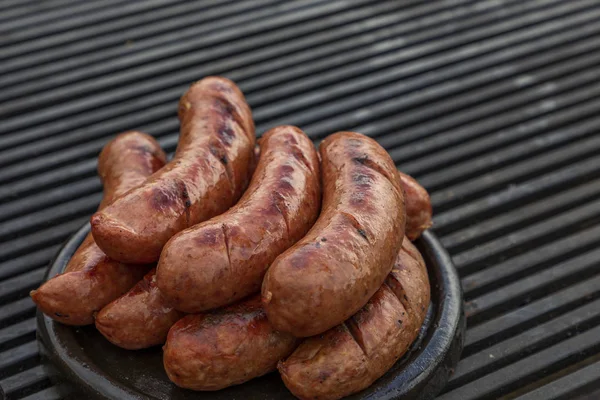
(493, 105)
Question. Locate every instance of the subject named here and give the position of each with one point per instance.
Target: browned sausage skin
(208, 174)
(138, 319)
(91, 279)
(224, 259)
(333, 271)
(351, 356)
(418, 206)
(190, 333)
(225, 347)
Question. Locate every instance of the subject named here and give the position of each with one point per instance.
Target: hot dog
(342, 261)
(224, 347)
(224, 259)
(208, 174)
(351, 356)
(418, 206)
(91, 279)
(138, 319)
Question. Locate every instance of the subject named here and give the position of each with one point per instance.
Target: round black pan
(83, 363)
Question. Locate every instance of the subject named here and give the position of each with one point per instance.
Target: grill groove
(492, 104)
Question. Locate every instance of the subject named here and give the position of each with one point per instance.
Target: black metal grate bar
(493, 105)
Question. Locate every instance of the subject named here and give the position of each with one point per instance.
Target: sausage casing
(138, 319)
(224, 347)
(91, 279)
(208, 174)
(351, 356)
(188, 337)
(333, 271)
(418, 206)
(224, 259)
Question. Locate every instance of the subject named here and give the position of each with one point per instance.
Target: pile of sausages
(243, 258)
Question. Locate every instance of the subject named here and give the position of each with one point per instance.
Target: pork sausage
(353, 355)
(224, 347)
(418, 206)
(208, 174)
(91, 279)
(138, 319)
(342, 261)
(224, 259)
(187, 339)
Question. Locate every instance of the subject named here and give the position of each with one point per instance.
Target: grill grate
(492, 104)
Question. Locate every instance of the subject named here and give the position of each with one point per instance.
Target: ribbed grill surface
(494, 105)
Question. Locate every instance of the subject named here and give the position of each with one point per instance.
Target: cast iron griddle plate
(84, 360)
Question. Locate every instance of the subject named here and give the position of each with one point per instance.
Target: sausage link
(91, 279)
(418, 206)
(140, 318)
(224, 259)
(208, 174)
(353, 355)
(187, 339)
(224, 347)
(333, 271)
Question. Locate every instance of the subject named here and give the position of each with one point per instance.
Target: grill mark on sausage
(299, 155)
(218, 151)
(161, 199)
(354, 331)
(279, 203)
(367, 162)
(364, 181)
(398, 290)
(144, 149)
(221, 88)
(324, 375)
(226, 134)
(175, 195)
(357, 226)
(226, 239)
(187, 203)
(226, 110)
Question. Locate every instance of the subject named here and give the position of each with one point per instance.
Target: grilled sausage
(224, 347)
(208, 174)
(224, 259)
(187, 339)
(140, 318)
(418, 206)
(351, 356)
(333, 271)
(91, 279)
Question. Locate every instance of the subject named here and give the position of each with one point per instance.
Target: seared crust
(224, 347)
(208, 174)
(335, 269)
(351, 356)
(91, 279)
(224, 259)
(140, 318)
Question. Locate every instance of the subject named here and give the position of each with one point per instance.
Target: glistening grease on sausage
(224, 354)
(353, 355)
(224, 259)
(91, 279)
(418, 206)
(333, 271)
(208, 174)
(224, 347)
(140, 318)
